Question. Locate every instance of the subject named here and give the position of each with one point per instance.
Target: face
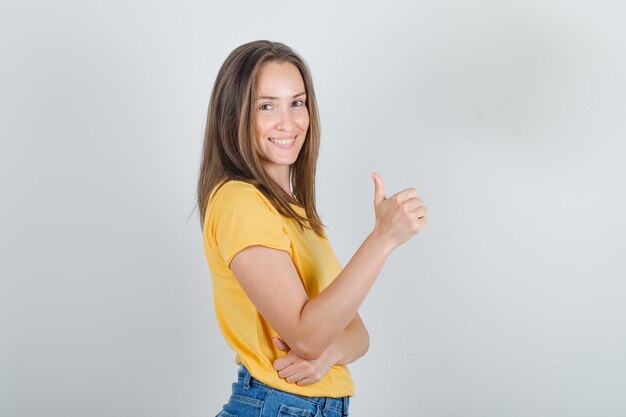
(281, 117)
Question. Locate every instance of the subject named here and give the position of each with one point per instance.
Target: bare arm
(270, 279)
(349, 346)
(309, 327)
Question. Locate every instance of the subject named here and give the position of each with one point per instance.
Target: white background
(507, 116)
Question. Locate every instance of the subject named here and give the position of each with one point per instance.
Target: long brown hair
(229, 150)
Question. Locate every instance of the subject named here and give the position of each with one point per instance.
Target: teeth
(282, 141)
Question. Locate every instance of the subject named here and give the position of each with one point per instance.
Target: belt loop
(246, 379)
(325, 407)
(346, 404)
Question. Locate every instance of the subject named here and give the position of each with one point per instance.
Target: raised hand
(398, 217)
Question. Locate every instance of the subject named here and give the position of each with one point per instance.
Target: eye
(298, 103)
(263, 106)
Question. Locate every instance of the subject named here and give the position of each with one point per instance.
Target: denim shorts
(252, 398)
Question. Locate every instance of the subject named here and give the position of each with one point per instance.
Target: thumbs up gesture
(399, 217)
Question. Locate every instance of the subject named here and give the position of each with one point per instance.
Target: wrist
(333, 354)
(379, 243)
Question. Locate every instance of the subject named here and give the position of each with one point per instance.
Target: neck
(280, 175)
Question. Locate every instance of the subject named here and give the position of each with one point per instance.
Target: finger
(282, 363)
(295, 377)
(305, 381)
(407, 194)
(379, 189)
(414, 203)
(288, 372)
(280, 345)
(421, 212)
(418, 213)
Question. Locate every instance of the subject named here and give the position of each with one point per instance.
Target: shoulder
(238, 203)
(236, 194)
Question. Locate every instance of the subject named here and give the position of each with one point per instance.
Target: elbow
(308, 351)
(365, 344)
(366, 347)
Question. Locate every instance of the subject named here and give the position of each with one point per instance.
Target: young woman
(282, 300)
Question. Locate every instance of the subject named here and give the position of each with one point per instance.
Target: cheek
(303, 121)
(261, 128)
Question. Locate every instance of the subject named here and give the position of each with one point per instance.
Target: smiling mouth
(282, 141)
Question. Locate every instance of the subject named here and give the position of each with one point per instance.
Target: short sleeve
(241, 216)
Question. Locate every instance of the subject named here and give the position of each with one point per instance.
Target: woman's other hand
(398, 217)
(295, 369)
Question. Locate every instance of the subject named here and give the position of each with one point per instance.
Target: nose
(284, 120)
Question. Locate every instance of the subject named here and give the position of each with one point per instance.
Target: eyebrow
(276, 98)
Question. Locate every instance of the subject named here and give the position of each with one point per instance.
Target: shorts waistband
(340, 404)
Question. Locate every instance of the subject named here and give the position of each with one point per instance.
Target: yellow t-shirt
(238, 215)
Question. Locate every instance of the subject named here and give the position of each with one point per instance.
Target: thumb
(379, 189)
(280, 344)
